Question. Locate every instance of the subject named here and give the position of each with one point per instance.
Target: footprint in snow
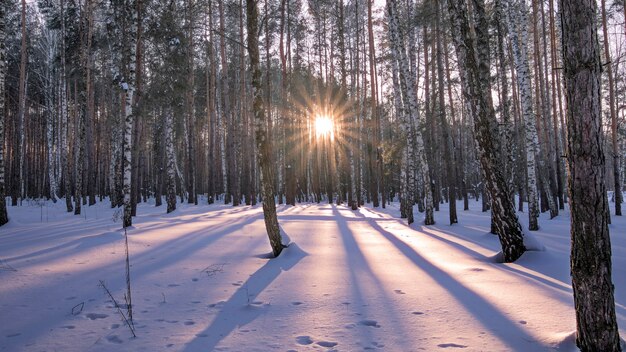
(189, 322)
(173, 285)
(114, 339)
(304, 340)
(400, 292)
(449, 345)
(327, 344)
(417, 313)
(94, 316)
(69, 327)
(14, 335)
(523, 322)
(296, 303)
(368, 322)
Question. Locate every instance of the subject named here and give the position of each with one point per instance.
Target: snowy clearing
(350, 281)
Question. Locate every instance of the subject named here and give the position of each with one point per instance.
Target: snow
(348, 281)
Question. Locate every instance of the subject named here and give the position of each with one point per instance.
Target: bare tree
(3, 207)
(263, 143)
(596, 325)
(472, 50)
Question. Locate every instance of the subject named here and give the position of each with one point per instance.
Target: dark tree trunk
(3, 207)
(596, 325)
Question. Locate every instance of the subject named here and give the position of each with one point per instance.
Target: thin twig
(119, 309)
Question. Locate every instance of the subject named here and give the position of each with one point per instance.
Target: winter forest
(425, 175)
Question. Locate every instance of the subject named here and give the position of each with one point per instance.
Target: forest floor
(349, 281)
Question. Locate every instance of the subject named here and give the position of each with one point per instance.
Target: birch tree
(617, 184)
(596, 325)
(517, 23)
(263, 143)
(128, 86)
(3, 207)
(472, 50)
(411, 113)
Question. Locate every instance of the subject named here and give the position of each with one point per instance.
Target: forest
(427, 107)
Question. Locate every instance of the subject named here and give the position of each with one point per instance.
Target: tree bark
(448, 150)
(263, 143)
(128, 86)
(596, 325)
(411, 109)
(3, 206)
(517, 22)
(614, 126)
(472, 49)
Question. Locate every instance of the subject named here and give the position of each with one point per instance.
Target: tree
(411, 112)
(614, 128)
(3, 207)
(472, 50)
(263, 143)
(517, 18)
(128, 86)
(596, 325)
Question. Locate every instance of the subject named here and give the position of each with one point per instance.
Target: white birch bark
(406, 200)
(407, 84)
(128, 85)
(64, 121)
(517, 21)
(49, 50)
(170, 162)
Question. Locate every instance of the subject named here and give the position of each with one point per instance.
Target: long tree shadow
(557, 283)
(479, 307)
(357, 263)
(241, 308)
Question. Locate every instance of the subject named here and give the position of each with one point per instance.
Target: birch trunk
(22, 103)
(264, 146)
(128, 86)
(63, 97)
(170, 161)
(517, 23)
(596, 325)
(3, 206)
(472, 49)
(448, 149)
(407, 84)
(50, 116)
(614, 125)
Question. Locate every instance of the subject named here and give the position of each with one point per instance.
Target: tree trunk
(517, 22)
(264, 145)
(593, 290)
(614, 126)
(472, 49)
(22, 104)
(3, 206)
(170, 157)
(128, 86)
(448, 150)
(596, 325)
(190, 107)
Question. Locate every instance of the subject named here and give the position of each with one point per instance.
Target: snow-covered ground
(350, 281)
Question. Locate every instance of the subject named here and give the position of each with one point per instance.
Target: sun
(324, 126)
